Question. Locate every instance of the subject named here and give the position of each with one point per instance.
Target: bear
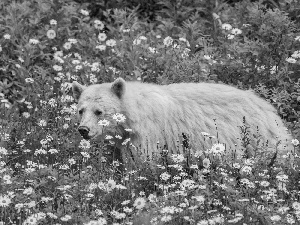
(162, 113)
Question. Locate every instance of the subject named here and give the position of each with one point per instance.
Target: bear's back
(163, 112)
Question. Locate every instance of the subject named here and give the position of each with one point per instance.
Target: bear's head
(97, 102)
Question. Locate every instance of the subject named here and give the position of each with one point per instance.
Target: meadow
(50, 175)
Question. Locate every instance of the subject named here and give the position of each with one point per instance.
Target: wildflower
(218, 149)
(297, 38)
(98, 212)
(273, 69)
(29, 80)
(165, 176)
(111, 43)
(295, 142)
(177, 158)
(284, 209)
(264, 183)
(185, 53)
(203, 222)
(296, 206)
(194, 166)
(206, 163)
(275, 218)
(66, 218)
(51, 215)
(85, 154)
(282, 177)
(236, 165)
(78, 67)
(290, 219)
(28, 191)
(127, 210)
(126, 141)
(168, 41)
(296, 54)
(139, 203)
(53, 22)
(111, 184)
(51, 34)
(4, 201)
(101, 221)
(152, 50)
(57, 68)
(119, 117)
(6, 36)
(98, 25)
(3, 151)
(226, 26)
(230, 36)
(291, 60)
(246, 169)
(187, 184)
(236, 31)
(31, 220)
(103, 123)
(6, 177)
(101, 186)
(33, 41)
(67, 46)
(102, 36)
(30, 204)
(85, 144)
(26, 114)
(199, 198)
(101, 47)
(42, 123)
(52, 102)
(143, 38)
(182, 39)
(137, 41)
(166, 218)
(84, 12)
(53, 151)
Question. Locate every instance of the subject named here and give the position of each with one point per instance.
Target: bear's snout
(84, 131)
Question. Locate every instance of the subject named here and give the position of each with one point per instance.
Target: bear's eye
(80, 111)
(98, 112)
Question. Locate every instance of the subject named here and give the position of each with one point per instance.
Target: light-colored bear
(161, 113)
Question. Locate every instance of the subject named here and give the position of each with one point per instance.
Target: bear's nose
(84, 131)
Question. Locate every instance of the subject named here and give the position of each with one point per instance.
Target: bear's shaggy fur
(162, 113)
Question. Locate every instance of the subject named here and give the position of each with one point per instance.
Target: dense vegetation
(49, 175)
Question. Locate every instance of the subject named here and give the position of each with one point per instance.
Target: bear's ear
(77, 90)
(118, 87)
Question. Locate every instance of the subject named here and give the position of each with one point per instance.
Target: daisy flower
(119, 117)
(111, 43)
(168, 41)
(111, 184)
(103, 123)
(139, 203)
(51, 34)
(98, 25)
(4, 201)
(102, 36)
(53, 22)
